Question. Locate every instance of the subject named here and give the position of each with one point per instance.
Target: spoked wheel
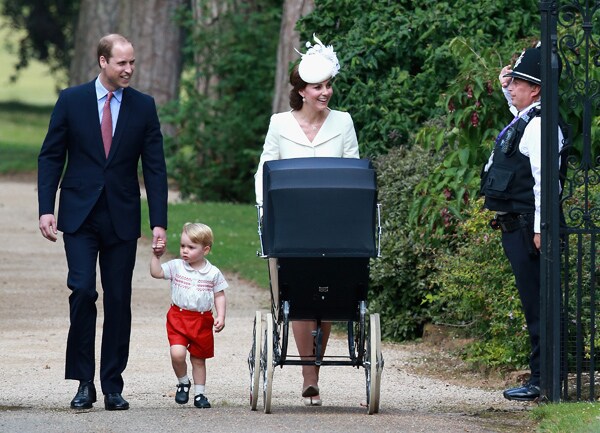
(267, 366)
(373, 364)
(254, 360)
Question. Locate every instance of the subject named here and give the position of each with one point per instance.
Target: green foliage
(477, 293)
(50, 28)
(395, 56)
(34, 85)
(400, 278)
(475, 112)
(215, 151)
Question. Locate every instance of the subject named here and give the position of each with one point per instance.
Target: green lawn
(568, 418)
(22, 130)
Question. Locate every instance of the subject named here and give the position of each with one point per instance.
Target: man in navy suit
(99, 209)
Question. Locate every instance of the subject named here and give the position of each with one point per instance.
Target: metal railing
(570, 36)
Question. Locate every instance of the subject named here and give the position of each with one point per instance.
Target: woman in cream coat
(310, 129)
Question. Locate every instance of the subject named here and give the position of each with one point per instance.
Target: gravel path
(34, 397)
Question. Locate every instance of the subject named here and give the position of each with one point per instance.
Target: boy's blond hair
(199, 233)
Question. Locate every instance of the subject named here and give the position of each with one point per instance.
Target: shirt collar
(535, 104)
(203, 270)
(101, 91)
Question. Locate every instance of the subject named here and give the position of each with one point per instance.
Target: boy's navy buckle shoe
(183, 393)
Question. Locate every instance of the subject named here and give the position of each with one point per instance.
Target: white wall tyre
(376, 391)
(254, 360)
(373, 364)
(268, 367)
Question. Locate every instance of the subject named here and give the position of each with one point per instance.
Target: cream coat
(285, 139)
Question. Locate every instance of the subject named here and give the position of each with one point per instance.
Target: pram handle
(260, 253)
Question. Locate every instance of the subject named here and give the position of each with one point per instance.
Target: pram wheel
(254, 360)
(267, 363)
(373, 364)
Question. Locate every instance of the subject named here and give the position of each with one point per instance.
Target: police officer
(511, 184)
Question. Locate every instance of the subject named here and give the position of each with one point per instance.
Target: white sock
(200, 389)
(185, 379)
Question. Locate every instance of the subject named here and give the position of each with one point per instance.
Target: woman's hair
(297, 85)
(199, 233)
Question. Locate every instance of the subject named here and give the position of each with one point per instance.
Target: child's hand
(159, 248)
(219, 323)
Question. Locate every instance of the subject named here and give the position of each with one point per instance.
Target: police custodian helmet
(528, 66)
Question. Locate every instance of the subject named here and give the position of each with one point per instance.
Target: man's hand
(159, 249)
(537, 241)
(158, 233)
(48, 227)
(505, 81)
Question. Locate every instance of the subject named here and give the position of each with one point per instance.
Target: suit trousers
(526, 269)
(97, 242)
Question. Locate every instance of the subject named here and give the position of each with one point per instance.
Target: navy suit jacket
(74, 139)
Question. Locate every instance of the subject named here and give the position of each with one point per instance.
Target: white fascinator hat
(319, 63)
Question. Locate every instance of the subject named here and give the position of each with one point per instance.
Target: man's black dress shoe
(114, 401)
(86, 395)
(526, 392)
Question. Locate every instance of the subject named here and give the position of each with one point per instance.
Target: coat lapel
(121, 122)
(328, 130)
(293, 132)
(89, 111)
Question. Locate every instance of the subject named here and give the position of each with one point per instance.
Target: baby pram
(319, 227)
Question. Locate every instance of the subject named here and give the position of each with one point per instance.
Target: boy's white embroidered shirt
(193, 289)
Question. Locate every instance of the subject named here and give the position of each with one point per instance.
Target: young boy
(196, 287)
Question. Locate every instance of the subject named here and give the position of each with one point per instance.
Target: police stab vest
(508, 183)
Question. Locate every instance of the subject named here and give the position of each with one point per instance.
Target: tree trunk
(289, 39)
(95, 20)
(150, 27)
(157, 39)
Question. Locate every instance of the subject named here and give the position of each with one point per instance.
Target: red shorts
(193, 330)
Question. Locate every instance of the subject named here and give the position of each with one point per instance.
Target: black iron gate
(570, 269)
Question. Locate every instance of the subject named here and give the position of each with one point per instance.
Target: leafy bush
(463, 279)
(400, 278)
(396, 59)
(214, 153)
(475, 112)
(477, 293)
(476, 290)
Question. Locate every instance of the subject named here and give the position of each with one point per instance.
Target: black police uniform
(510, 189)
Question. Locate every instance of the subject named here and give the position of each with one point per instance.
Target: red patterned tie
(106, 125)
